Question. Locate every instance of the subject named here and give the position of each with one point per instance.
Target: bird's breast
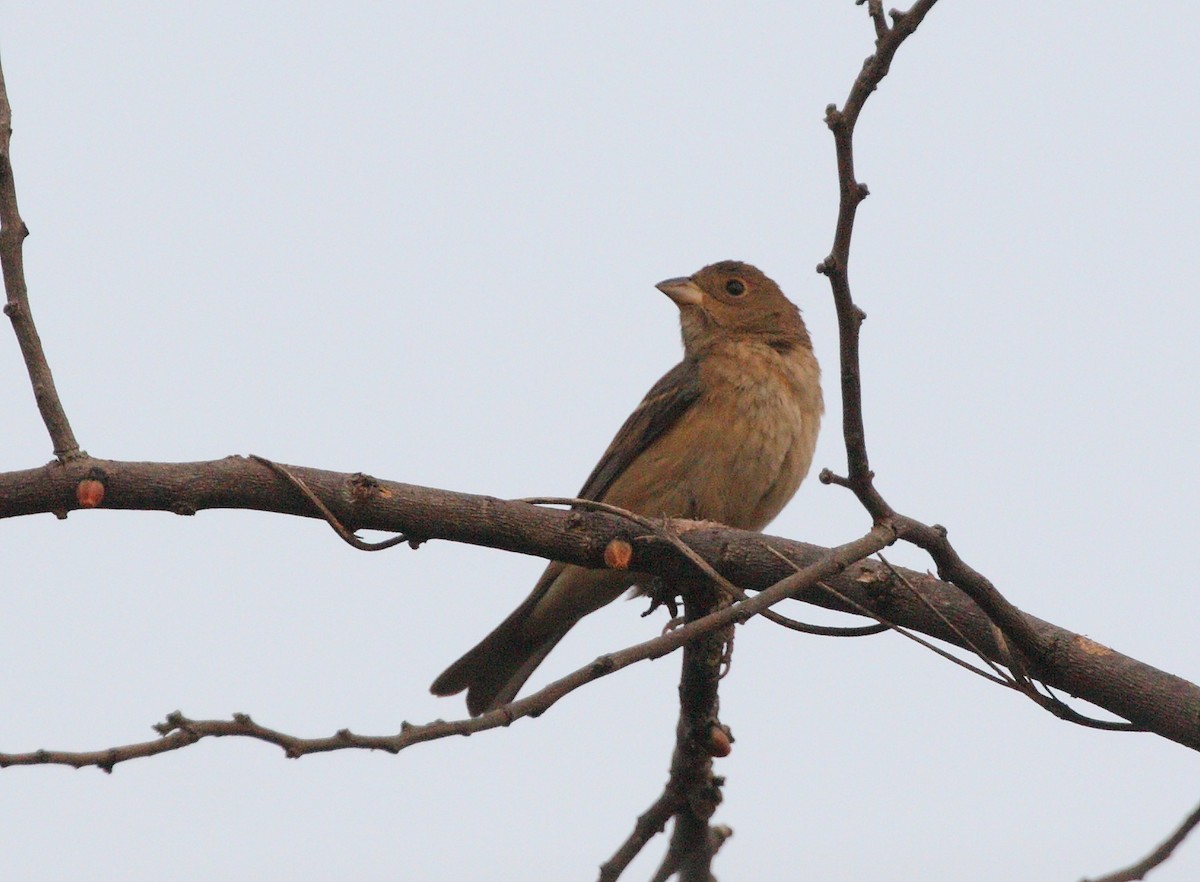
(739, 453)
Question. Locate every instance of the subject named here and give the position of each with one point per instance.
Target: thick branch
(1152, 699)
(691, 764)
(692, 792)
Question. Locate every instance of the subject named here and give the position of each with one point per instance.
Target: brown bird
(726, 435)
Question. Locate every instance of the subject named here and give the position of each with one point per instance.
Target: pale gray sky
(421, 243)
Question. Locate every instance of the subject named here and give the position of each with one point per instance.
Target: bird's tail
(498, 667)
(495, 670)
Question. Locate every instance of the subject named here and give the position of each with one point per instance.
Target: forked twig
(1015, 628)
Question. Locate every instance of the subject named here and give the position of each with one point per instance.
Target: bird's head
(731, 300)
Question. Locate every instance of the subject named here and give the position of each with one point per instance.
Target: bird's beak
(683, 291)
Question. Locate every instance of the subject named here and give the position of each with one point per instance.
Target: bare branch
(649, 824)
(178, 731)
(12, 234)
(691, 762)
(1017, 681)
(836, 265)
(1150, 698)
(345, 534)
(1143, 867)
(875, 10)
(664, 529)
(692, 792)
(860, 478)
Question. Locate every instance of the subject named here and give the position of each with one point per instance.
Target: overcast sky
(420, 241)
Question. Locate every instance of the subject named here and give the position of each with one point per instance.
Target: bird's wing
(662, 407)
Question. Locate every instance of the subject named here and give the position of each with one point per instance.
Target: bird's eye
(735, 288)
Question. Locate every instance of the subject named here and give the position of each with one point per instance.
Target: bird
(726, 435)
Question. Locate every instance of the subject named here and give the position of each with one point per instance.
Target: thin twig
(667, 868)
(649, 824)
(178, 731)
(1065, 712)
(661, 529)
(890, 625)
(12, 234)
(1021, 683)
(1156, 857)
(330, 518)
(860, 479)
(924, 601)
(875, 10)
(836, 265)
(1011, 622)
